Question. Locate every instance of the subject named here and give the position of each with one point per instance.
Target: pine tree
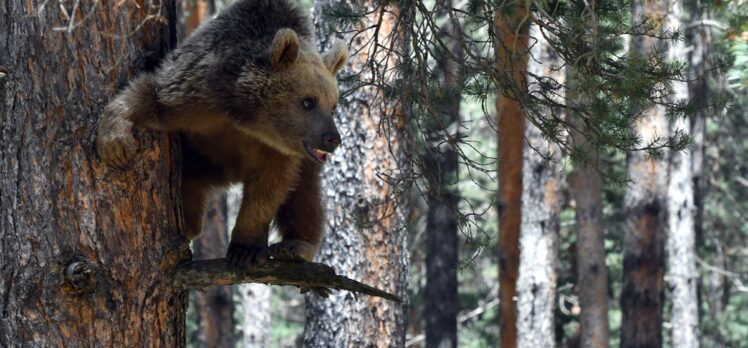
(84, 246)
(366, 210)
(541, 206)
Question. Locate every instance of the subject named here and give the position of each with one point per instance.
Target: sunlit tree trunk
(254, 304)
(541, 205)
(366, 214)
(511, 55)
(645, 202)
(680, 247)
(442, 236)
(84, 247)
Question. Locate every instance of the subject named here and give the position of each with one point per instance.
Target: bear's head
(297, 93)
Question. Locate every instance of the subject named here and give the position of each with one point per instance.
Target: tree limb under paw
(306, 275)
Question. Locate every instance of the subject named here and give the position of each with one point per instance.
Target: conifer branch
(305, 275)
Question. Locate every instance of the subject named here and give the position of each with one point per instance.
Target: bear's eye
(309, 103)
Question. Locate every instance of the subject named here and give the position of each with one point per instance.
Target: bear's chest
(239, 156)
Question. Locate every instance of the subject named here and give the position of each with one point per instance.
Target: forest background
(716, 36)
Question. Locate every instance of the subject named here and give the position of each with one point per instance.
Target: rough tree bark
(84, 249)
(645, 202)
(541, 206)
(366, 235)
(680, 247)
(511, 57)
(442, 235)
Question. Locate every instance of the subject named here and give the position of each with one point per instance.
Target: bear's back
(250, 25)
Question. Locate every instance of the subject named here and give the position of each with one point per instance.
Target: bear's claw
(115, 143)
(244, 256)
(292, 250)
(321, 292)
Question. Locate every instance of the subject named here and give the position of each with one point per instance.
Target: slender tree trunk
(587, 187)
(587, 190)
(194, 12)
(254, 299)
(214, 305)
(511, 55)
(442, 236)
(646, 206)
(681, 254)
(541, 205)
(700, 39)
(366, 214)
(83, 247)
(592, 273)
(256, 316)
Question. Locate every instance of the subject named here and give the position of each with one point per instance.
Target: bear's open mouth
(317, 154)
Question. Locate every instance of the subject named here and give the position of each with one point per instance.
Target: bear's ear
(285, 49)
(336, 58)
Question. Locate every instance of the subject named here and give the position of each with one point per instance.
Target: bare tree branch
(306, 275)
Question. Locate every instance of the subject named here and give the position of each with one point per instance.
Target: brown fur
(255, 130)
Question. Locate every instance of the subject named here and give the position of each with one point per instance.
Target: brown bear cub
(253, 101)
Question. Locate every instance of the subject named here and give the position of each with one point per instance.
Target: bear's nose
(331, 140)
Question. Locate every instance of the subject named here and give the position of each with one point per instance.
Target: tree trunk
(541, 206)
(511, 56)
(215, 305)
(592, 273)
(194, 12)
(681, 254)
(442, 235)
(256, 317)
(366, 214)
(587, 191)
(645, 202)
(700, 39)
(254, 299)
(84, 247)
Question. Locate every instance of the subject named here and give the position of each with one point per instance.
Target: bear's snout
(330, 141)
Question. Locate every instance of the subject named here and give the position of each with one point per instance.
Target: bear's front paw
(292, 250)
(115, 143)
(241, 255)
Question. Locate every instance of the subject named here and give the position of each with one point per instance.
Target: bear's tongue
(319, 155)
